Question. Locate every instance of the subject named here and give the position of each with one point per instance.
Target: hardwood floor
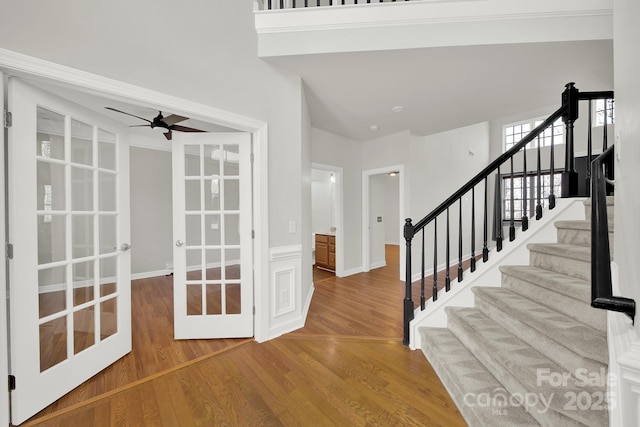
(347, 366)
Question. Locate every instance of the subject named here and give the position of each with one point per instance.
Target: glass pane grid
(74, 278)
(532, 194)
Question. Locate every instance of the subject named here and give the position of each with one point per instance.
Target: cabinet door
(322, 254)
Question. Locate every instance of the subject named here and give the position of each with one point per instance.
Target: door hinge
(253, 234)
(8, 119)
(9, 251)
(12, 382)
(251, 157)
(254, 310)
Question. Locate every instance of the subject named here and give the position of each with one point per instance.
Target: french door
(212, 253)
(68, 209)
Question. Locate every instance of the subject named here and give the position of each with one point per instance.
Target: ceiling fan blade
(173, 119)
(140, 126)
(168, 135)
(128, 114)
(184, 129)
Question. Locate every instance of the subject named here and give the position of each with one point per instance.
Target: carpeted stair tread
(463, 375)
(518, 367)
(568, 295)
(570, 343)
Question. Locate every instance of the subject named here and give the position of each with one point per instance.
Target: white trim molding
(430, 23)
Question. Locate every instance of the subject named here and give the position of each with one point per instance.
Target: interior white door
(70, 295)
(212, 254)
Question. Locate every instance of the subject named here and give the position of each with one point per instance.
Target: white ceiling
(443, 88)
(439, 88)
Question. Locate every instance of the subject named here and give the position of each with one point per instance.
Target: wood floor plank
(347, 366)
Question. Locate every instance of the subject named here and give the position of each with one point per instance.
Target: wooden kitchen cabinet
(326, 251)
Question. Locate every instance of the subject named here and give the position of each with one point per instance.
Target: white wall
(322, 201)
(627, 89)
(151, 211)
(335, 150)
(440, 165)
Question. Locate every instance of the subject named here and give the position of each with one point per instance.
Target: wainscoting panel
(285, 282)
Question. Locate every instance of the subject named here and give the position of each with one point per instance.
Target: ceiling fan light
(160, 129)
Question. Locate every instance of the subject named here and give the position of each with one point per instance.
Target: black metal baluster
(604, 129)
(499, 213)
(447, 278)
(512, 225)
(460, 242)
(589, 148)
(485, 237)
(569, 175)
(525, 181)
(435, 259)
(539, 186)
(281, 4)
(552, 196)
(473, 229)
(269, 5)
(422, 298)
(408, 297)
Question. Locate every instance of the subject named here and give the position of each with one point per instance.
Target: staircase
(533, 351)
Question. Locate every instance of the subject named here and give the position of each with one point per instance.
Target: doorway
(382, 214)
(327, 221)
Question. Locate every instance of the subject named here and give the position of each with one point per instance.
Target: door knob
(179, 243)
(125, 247)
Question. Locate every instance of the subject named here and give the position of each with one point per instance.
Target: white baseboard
(353, 271)
(149, 274)
(378, 264)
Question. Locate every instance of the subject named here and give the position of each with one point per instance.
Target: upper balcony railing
(295, 4)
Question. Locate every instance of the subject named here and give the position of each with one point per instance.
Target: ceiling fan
(163, 124)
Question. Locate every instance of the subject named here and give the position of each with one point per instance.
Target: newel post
(409, 232)
(570, 176)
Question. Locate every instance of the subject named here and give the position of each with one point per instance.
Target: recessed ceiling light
(374, 128)
(397, 109)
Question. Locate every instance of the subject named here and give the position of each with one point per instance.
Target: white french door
(68, 208)
(212, 254)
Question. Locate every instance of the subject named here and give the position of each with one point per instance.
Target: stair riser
(578, 237)
(610, 211)
(578, 308)
(568, 266)
(556, 352)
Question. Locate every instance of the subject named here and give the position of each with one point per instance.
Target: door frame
(337, 172)
(4, 337)
(366, 250)
(30, 68)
